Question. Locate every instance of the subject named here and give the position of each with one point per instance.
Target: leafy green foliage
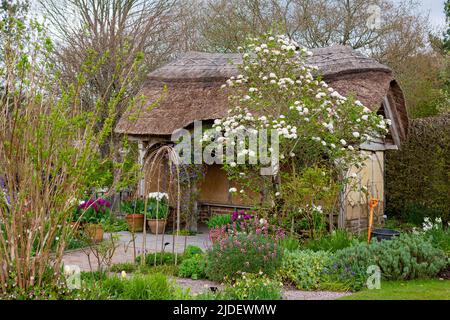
(417, 176)
(161, 258)
(338, 239)
(191, 251)
(243, 253)
(114, 225)
(219, 220)
(290, 243)
(128, 267)
(155, 208)
(304, 268)
(406, 257)
(142, 287)
(253, 287)
(193, 267)
(438, 234)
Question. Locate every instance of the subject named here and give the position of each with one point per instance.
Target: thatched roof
(193, 88)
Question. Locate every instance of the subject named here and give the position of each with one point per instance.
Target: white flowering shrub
(276, 89)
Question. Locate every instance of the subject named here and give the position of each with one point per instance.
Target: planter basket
(157, 225)
(135, 222)
(95, 232)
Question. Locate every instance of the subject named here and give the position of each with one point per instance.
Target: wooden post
(141, 155)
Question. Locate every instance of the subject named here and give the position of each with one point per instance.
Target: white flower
(356, 134)
(365, 117)
(272, 75)
(292, 154)
(242, 191)
(343, 142)
(277, 194)
(233, 164)
(252, 90)
(351, 148)
(262, 221)
(232, 190)
(158, 195)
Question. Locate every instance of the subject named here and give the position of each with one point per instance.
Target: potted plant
(217, 224)
(93, 213)
(157, 212)
(134, 211)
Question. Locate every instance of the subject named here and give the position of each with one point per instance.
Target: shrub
(417, 183)
(161, 258)
(406, 257)
(125, 266)
(290, 243)
(219, 220)
(438, 234)
(193, 267)
(304, 268)
(243, 253)
(167, 269)
(114, 225)
(253, 287)
(191, 251)
(142, 287)
(337, 240)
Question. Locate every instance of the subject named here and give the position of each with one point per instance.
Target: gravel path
(200, 286)
(292, 294)
(124, 251)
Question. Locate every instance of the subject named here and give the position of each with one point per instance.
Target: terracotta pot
(94, 231)
(135, 222)
(161, 225)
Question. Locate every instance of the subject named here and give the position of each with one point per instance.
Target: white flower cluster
(278, 85)
(428, 224)
(158, 195)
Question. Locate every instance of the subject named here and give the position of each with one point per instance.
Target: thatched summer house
(193, 93)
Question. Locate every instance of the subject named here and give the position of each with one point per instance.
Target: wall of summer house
(215, 198)
(369, 183)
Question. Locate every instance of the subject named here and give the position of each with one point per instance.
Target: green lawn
(406, 290)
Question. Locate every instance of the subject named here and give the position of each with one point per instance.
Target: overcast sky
(434, 7)
(436, 10)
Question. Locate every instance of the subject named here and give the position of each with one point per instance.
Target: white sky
(436, 10)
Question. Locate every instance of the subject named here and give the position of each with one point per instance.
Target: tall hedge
(418, 175)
